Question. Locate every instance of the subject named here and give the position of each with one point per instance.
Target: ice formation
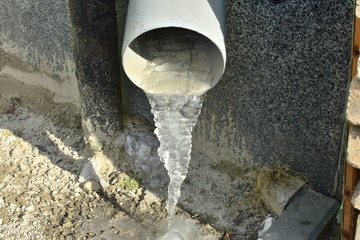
(175, 117)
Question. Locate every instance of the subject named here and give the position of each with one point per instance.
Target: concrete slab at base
(305, 217)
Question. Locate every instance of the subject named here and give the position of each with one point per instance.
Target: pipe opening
(173, 61)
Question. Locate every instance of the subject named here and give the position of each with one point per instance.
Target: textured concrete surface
(37, 70)
(283, 94)
(38, 32)
(42, 49)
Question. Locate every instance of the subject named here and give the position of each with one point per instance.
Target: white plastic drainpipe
(174, 47)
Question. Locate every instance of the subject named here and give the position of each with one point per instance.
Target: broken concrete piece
(277, 188)
(305, 217)
(355, 200)
(91, 185)
(353, 150)
(98, 168)
(150, 198)
(357, 232)
(353, 106)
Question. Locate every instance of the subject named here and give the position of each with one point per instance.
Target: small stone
(71, 215)
(56, 211)
(114, 181)
(22, 201)
(91, 185)
(353, 106)
(357, 233)
(30, 208)
(46, 208)
(77, 225)
(6, 219)
(355, 200)
(67, 224)
(84, 204)
(353, 149)
(62, 213)
(11, 198)
(150, 198)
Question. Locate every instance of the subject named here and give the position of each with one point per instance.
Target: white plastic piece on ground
(265, 225)
(182, 39)
(141, 145)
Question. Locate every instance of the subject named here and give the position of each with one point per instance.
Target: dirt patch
(41, 197)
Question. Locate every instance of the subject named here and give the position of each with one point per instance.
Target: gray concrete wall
(282, 97)
(36, 52)
(59, 59)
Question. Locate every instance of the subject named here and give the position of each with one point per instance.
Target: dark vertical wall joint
(97, 63)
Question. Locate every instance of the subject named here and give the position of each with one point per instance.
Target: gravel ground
(41, 197)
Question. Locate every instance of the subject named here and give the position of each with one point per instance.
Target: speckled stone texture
(283, 94)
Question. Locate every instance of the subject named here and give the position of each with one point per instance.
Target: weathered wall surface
(59, 59)
(282, 97)
(36, 52)
(95, 44)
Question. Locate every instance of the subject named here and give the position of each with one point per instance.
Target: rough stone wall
(283, 94)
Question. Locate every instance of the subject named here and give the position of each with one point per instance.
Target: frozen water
(175, 117)
(177, 73)
(142, 146)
